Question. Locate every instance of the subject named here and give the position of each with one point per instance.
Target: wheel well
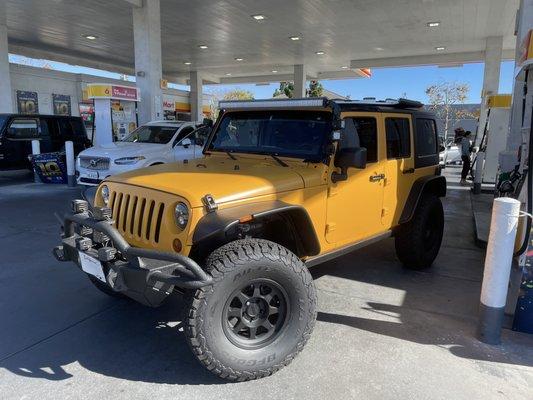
(291, 229)
(432, 184)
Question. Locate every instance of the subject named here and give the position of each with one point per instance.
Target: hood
(225, 179)
(123, 149)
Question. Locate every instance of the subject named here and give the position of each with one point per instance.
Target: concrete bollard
(478, 177)
(500, 248)
(71, 168)
(36, 149)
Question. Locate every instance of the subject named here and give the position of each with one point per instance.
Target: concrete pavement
(382, 332)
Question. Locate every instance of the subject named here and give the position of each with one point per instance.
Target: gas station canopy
(238, 41)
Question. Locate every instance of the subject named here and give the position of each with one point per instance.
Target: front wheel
(418, 241)
(257, 315)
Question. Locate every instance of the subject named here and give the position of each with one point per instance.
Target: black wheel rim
(254, 315)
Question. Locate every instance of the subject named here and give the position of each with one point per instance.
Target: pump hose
(525, 243)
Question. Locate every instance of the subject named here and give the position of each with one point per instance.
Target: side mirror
(207, 122)
(186, 143)
(349, 158)
(441, 148)
(199, 142)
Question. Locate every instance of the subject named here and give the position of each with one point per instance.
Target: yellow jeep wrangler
(283, 185)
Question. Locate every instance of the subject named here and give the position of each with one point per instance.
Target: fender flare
(435, 184)
(217, 226)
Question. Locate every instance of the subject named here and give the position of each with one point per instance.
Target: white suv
(154, 143)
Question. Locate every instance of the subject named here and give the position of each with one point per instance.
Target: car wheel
(256, 316)
(418, 241)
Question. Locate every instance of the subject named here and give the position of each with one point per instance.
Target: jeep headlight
(104, 191)
(129, 160)
(181, 215)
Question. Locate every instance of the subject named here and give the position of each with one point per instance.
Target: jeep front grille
(97, 163)
(136, 216)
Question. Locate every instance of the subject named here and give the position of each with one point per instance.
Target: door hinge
(331, 227)
(384, 211)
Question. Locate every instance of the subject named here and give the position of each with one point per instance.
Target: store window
(398, 138)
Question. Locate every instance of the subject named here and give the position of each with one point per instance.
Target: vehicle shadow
(126, 341)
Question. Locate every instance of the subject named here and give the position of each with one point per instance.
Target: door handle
(408, 171)
(377, 178)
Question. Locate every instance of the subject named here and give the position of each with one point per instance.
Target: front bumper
(147, 276)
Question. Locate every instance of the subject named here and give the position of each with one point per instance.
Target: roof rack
(371, 101)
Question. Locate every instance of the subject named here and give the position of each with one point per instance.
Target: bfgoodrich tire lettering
(418, 242)
(234, 266)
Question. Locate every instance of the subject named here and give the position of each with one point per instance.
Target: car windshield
(300, 134)
(151, 134)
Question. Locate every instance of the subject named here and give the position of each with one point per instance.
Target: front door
(355, 205)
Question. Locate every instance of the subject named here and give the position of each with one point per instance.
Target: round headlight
(181, 214)
(105, 194)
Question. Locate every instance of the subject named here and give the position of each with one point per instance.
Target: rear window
(398, 138)
(426, 137)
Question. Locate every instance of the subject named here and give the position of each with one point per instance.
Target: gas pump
(115, 111)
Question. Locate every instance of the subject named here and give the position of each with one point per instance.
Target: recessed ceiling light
(258, 17)
(433, 24)
(239, 59)
(440, 48)
(228, 74)
(294, 38)
(90, 37)
(319, 53)
(344, 67)
(379, 48)
(274, 71)
(187, 63)
(202, 46)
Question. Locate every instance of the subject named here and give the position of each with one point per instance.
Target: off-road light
(83, 230)
(107, 253)
(105, 194)
(79, 206)
(181, 215)
(84, 243)
(102, 213)
(99, 237)
(273, 103)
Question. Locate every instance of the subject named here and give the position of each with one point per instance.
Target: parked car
(17, 131)
(151, 144)
(284, 185)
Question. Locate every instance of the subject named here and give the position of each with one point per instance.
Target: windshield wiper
(278, 160)
(231, 156)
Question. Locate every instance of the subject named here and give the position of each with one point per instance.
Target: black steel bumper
(147, 276)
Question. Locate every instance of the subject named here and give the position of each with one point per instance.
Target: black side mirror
(441, 148)
(207, 122)
(349, 158)
(199, 141)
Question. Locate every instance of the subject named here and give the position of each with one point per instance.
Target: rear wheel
(257, 315)
(418, 241)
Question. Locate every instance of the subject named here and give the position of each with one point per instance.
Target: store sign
(123, 93)
(27, 102)
(61, 104)
(526, 49)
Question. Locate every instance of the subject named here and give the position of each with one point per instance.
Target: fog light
(102, 213)
(79, 206)
(84, 244)
(176, 245)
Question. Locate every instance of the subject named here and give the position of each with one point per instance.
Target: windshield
(151, 134)
(300, 134)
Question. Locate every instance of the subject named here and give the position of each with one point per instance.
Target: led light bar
(273, 103)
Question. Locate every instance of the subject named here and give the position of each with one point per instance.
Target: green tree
(315, 89)
(238, 94)
(443, 97)
(285, 88)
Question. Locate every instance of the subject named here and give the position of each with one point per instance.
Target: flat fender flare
(216, 226)
(435, 184)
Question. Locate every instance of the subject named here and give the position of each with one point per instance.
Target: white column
(6, 103)
(103, 134)
(148, 67)
(300, 79)
(196, 84)
(491, 78)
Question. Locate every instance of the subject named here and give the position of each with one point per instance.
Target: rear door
(20, 131)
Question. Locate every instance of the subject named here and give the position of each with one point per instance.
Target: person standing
(466, 148)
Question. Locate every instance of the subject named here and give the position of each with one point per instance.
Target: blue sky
(384, 83)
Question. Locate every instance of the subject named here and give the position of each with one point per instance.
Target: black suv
(17, 131)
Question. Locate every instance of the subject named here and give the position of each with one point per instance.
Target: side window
(22, 128)
(183, 133)
(78, 128)
(426, 137)
(398, 138)
(361, 132)
(67, 133)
